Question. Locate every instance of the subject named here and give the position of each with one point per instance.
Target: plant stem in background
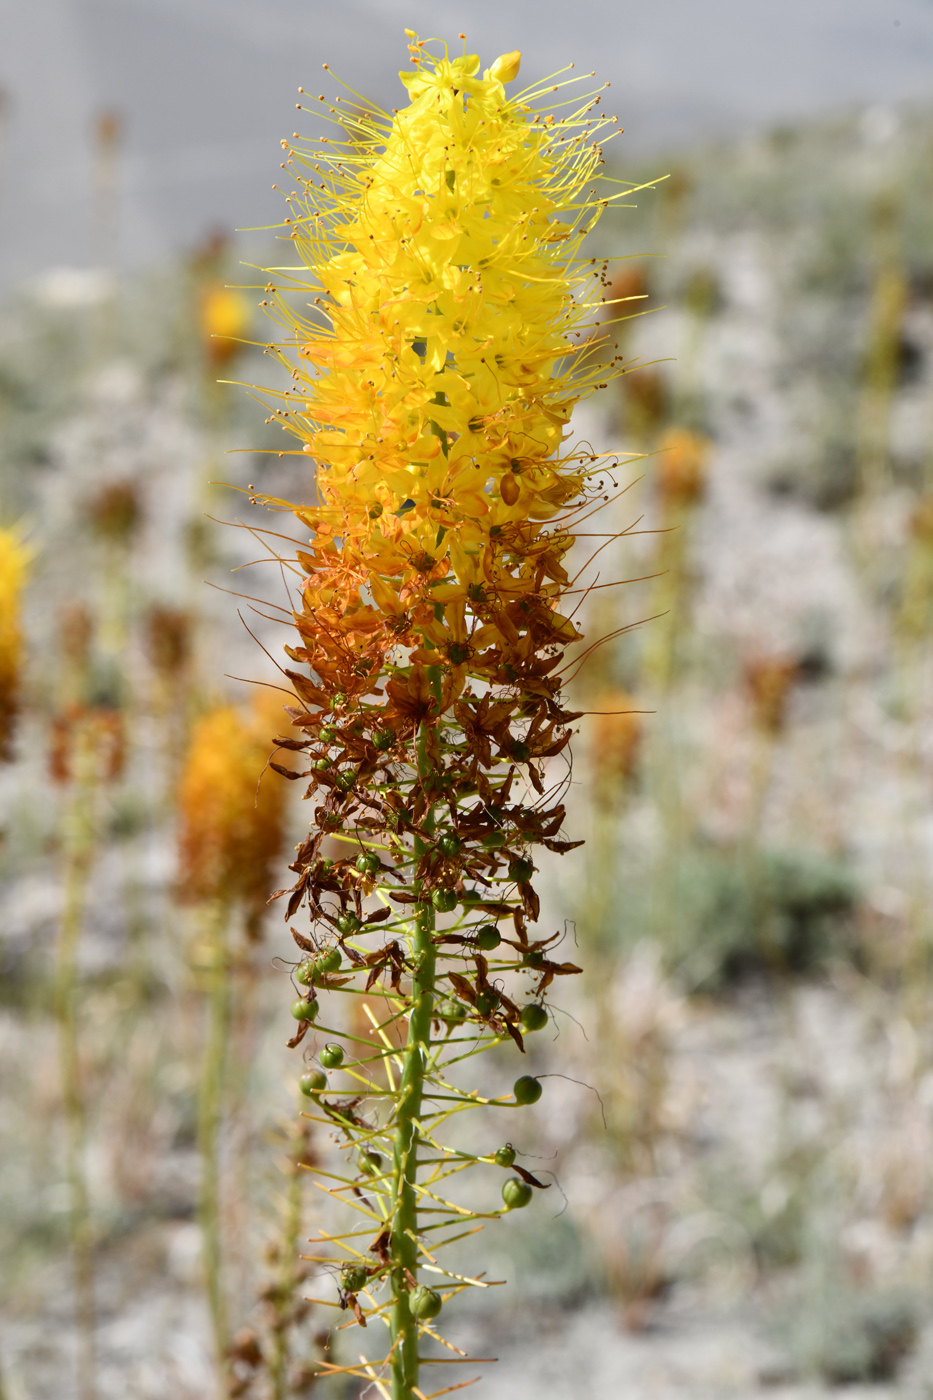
(210, 1116)
(80, 848)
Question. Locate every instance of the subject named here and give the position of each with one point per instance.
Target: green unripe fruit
(346, 780)
(521, 869)
(321, 765)
(425, 1303)
(349, 923)
(520, 753)
(367, 864)
(370, 1163)
(487, 938)
(450, 1010)
(324, 867)
(470, 897)
(486, 1002)
(328, 734)
(331, 960)
(515, 1193)
(338, 701)
(505, 1156)
(331, 1057)
(494, 839)
(444, 900)
(383, 739)
(533, 958)
(313, 1082)
(527, 1089)
(304, 972)
(353, 1277)
(449, 845)
(305, 1009)
(534, 1017)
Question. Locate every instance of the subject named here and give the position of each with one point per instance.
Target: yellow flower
(224, 320)
(434, 378)
(231, 811)
(14, 561)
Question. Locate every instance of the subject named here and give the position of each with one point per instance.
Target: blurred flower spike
(224, 319)
(231, 812)
(438, 332)
(15, 557)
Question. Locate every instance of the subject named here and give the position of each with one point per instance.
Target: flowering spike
(445, 325)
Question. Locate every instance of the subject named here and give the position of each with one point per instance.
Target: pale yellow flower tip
(506, 66)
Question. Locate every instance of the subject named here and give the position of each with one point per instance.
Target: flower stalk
(446, 325)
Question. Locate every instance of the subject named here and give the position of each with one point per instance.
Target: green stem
(210, 1111)
(80, 840)
(404, 1241)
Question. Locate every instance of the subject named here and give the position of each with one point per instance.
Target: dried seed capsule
(331, 1057)
(527, 1089)
(312, 1082)
(534, 1016)
(305, 1008)
(487, 938)
(515, 1193)
(444, 900)
(425, 1303)
(367, 864)
(505, 1156)
(353, 1277)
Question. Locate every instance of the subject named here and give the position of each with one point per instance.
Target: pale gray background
(208, 87)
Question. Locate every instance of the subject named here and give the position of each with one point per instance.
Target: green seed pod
(487, 938)
(469, 897)
(449, 845)
(346, 780)
(521, 869)
(349, 923)
(494, 839)
(367, 864)
(331, 960)
(425, 1303)
(328, 734)
(305, 1009)
(534, 1016)
(515, 1193)
(370, 1163)
(321, 765)
(533, 958)
(304, 972)
(331, 1057)
(324, 867)
(444, 900)
(520, 752)
(486, 1002)
(338, 701)
(450, 1010)
(313, 1082)
(527, 1089)
(353, 1277)
(384, 739)
(505, 1156)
